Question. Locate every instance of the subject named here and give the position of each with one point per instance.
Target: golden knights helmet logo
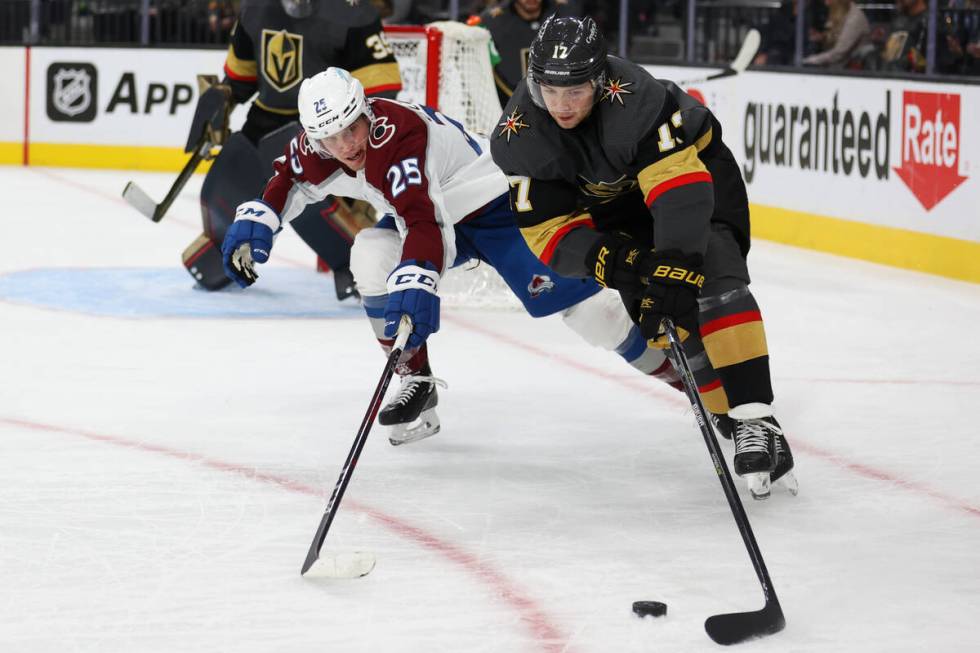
(282, 58)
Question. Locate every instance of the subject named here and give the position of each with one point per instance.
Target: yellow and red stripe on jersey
(713, 397)
(542, 238)
(244, 70)
(678, 169)
(379, 77)
(734, 339)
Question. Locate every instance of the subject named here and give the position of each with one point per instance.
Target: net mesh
(466, 88)
(466, 92)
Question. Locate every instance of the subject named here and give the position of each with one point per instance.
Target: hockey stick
(750, 46)
(142, 202)
(353, 565)
(737, 626)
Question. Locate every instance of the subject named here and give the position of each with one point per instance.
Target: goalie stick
(209, 130)
(138, 199)
(750, 46)
(737, 626)
(353, 565)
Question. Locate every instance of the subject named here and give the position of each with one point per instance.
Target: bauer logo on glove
(679, 274)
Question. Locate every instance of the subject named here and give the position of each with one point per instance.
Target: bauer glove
(249, 241)
(621, 263)
(412, 288)
(675, 283)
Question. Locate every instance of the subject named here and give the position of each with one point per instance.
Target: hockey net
(446, 65)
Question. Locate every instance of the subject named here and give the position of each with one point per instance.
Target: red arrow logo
(930, 145)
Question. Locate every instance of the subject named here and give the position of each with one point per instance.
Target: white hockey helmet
(329, 102)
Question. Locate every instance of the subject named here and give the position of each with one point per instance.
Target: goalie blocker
(239, 174)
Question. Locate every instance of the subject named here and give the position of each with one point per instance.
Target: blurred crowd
(839, 33)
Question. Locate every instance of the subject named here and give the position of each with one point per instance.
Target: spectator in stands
(221, 18)
(778, 37)
(847, 33)
(964, 22)
(905, 49)
(513, 24)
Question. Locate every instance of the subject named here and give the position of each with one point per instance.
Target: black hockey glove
(675, 283)
(621, 263)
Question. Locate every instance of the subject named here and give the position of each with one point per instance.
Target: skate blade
(425, 426)
(759, 485)
(342, 565)
(789, 483)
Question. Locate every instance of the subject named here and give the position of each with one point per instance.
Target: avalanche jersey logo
(282, 58)
(304, 144)
(512, 125)
(381, 132)
(540, 284)
(615, 89)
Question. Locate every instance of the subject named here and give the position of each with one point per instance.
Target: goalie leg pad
(202, 258)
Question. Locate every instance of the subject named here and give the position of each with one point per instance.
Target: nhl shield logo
(72, 92)
(282, 58)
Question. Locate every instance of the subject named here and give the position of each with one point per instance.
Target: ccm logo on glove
(412, 276)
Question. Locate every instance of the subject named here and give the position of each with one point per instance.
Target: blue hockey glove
(249, 241)
(412, 291)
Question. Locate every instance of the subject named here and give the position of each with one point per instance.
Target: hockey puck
(652, 608)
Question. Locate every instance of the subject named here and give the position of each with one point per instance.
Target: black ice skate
(783, 474)
(411, 414)
(755, 433)
(724, 425)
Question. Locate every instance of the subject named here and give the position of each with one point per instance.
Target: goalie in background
(274, 45)
(445, 202)
(652, 204)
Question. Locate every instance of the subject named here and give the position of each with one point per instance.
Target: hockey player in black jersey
(275, 44)
(625, 178)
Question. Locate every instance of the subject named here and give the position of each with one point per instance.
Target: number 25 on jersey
(404, 174)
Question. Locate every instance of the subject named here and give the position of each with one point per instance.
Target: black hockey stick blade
(139, 200)
(735, 627)
(738, 626)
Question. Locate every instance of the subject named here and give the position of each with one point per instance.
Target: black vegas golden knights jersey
(272, 52)
(648, 150)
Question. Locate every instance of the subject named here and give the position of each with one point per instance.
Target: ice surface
(165, 456)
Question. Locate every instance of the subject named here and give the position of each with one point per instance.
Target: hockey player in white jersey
(445, 202)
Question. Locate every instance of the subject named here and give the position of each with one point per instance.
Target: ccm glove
(249, 241)
(675, 283)
(621, 263)
(412, 291)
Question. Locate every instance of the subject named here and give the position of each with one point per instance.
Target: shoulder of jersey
(630, 100)
(393, 127)
(522, 140)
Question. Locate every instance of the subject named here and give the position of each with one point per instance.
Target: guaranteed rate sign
(930, 145)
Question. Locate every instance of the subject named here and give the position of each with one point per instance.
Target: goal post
(446, 65)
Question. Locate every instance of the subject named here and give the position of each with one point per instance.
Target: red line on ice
(547, 636)
(649, 386)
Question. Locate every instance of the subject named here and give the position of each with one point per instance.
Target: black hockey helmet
(567, 51)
